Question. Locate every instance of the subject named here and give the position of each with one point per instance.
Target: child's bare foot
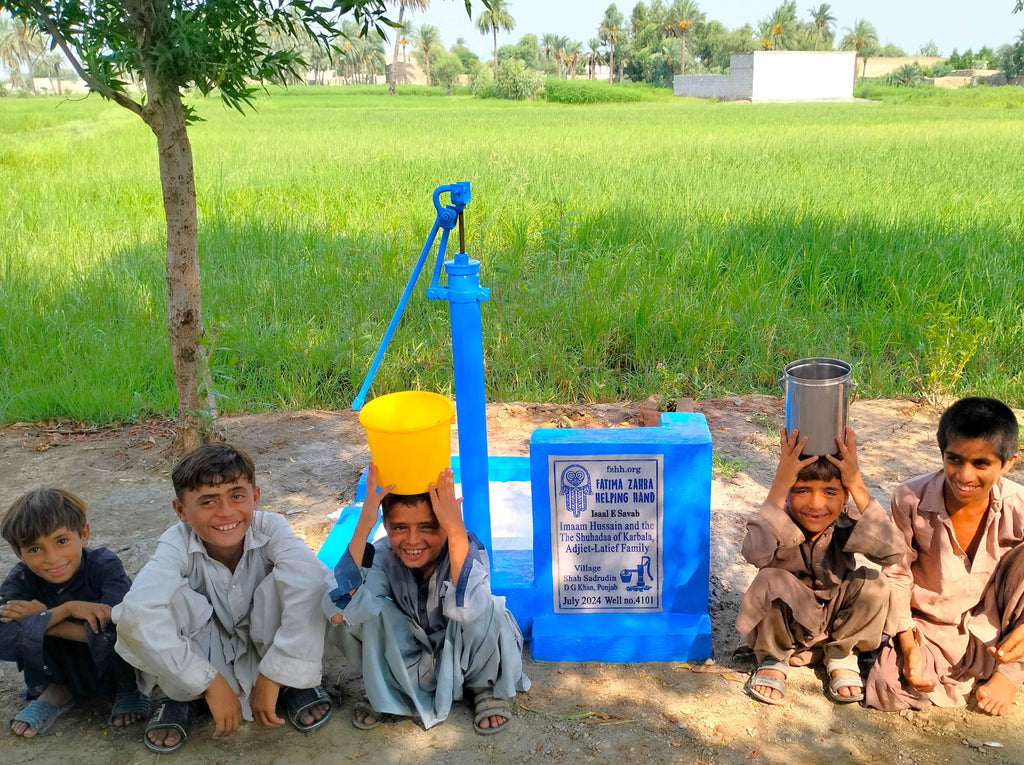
(996, 695)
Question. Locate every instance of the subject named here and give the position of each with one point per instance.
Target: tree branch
(94, 85)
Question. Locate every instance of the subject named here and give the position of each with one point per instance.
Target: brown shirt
(775, 540)
(936, 583)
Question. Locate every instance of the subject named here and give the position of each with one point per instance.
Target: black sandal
(299, 700)
(175, 715)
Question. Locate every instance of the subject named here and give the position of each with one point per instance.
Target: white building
(776, 75)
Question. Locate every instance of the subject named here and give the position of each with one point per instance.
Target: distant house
(772, 75)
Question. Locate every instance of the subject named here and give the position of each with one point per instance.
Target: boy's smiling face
(220, 515)
(415, 535)
(971, 468)
(55, 557)
(816, 504)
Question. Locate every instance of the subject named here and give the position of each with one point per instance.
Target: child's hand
(849, 468)
(446, 507)
(368, 515)
(224, 706)
(1012, 647)
(263, 701)
(96, 615)
(448, 511)
(789, 467)
(913, 661)
(19, 609)
(371, 502)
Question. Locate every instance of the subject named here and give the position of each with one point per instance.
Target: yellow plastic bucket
(410, 435)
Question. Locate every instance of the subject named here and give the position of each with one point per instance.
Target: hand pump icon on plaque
(626, 575)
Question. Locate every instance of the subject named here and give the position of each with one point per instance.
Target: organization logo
(575, 487)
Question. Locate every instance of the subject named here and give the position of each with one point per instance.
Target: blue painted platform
(592, 625)
(678, 628)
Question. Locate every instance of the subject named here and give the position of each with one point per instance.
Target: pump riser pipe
(470, 402)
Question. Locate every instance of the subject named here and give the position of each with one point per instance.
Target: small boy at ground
(419, 617)
(227, 610)
(55, 613)
(808, 593)
(959, 592)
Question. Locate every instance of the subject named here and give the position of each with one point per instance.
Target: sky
(906, 23)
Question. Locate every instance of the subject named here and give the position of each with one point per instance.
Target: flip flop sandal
(39, 715)
(363, 705)
(844, 681)
(129, 702)
(485, 705)
(776, 683)
(176, 715)
(299, 700)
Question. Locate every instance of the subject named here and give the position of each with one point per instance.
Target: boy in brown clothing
(808, 593)
(958, 595)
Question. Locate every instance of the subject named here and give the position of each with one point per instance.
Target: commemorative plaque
(606, 532)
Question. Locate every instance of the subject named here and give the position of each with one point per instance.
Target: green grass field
(669, 246)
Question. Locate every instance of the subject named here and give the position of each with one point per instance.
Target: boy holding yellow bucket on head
(415, 610)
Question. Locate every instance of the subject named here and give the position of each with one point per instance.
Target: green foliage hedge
(587, 92)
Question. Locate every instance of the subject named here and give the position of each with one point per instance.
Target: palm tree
(494, 19)
(427, 36)
(609, 33)
(682, 16)
(862, 38)
(417, 5)
(8, 60)
(570, 55)
(20, 48)
(593, 57)
(548, 45)
(781, 26)
(823, 20)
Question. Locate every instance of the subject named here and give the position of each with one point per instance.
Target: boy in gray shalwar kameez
(418, 615)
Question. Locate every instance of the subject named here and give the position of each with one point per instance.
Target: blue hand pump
(464, 295)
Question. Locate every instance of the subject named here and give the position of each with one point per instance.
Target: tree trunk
(393, 75)
(165, 115)
(611, 64)
(682, 53)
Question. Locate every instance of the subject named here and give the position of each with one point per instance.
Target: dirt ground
(308, 463)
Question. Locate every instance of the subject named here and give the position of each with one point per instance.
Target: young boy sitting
(419, 617)
(227, 610)
(808, 593)
(55, 613)
(959, 592)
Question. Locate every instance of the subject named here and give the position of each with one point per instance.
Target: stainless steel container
(817, 401)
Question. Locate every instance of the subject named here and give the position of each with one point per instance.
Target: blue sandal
(39, 715)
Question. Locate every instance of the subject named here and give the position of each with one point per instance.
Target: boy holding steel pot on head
(958, 594)
(809, 595)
